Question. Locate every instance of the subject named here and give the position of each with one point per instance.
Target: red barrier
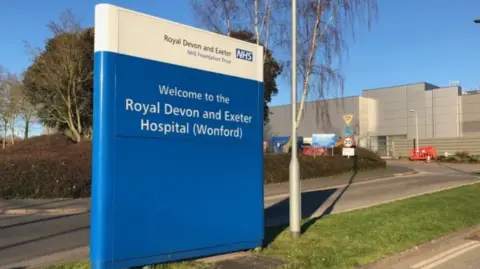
(423, 153)
(314, 151)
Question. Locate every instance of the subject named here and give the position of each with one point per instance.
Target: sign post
(161, 90)
(348, 140)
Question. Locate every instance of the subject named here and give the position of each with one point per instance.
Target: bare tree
(3, 106)
(321, 46)
(217, 15)
(24, 110)
(59, 81)
(14, 100)
(225, 16)
(9, 99)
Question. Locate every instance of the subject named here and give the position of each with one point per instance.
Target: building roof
(322, 100)
(428, 85)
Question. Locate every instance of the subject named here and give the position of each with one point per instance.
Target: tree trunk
(12, 131)
(5, 128)
(76, 136)
(26, 131)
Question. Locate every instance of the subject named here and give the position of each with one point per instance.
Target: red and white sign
(348, 142)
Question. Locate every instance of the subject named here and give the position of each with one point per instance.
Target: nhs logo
(244, 55)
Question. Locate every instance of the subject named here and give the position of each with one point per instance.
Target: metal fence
(382, 147)
(402, 147)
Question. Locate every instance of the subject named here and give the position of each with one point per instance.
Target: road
(468, 260)
(27, 237)
(330, 201)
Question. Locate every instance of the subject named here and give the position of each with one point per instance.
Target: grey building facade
(384, 114)
(318, 117)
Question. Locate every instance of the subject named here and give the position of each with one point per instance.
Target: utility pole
(295, 193)
(416, 128)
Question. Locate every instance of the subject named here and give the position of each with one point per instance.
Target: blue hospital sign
(177, 148)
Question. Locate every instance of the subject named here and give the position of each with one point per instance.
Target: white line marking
(442, 259)
(443, 254)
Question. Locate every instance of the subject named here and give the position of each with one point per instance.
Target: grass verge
(357, 238)
(360, 237)
(178, 265)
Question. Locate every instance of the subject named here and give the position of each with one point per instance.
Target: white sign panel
(348, 152)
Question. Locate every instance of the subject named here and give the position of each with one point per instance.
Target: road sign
(159, 93)
(323, 140)
(348, 131)
(348, 118)
(348, 152)
(348, 142)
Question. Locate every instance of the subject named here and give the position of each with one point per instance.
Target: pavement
(458, 250)
(40, 237)
(44, 206)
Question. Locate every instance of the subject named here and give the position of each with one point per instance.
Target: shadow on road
(56, 217)
(16, 204)
(476, 173)
(43, 238)
(311, 202)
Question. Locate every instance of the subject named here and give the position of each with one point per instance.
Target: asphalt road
(364, 194)
(468, 260)
(27, 237)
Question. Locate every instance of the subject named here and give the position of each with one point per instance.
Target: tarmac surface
(26, 239)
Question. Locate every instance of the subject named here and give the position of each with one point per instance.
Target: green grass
(178, 265)
(360, 237)
(349, 240)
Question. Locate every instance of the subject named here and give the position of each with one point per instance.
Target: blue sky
(413, 40)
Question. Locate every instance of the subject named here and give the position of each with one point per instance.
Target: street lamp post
(295, 194)
(416, 128)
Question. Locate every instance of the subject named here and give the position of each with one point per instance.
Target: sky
(412, 41)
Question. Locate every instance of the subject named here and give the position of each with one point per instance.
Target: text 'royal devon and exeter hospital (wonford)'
(189, 120)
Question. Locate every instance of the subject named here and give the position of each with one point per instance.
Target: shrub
(46, 167)
(54, 167)
(474, 159)
(454, 159)
(462, 154)
(276, 165)
(460, 157)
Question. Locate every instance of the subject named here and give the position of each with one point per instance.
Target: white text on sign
(189, 127)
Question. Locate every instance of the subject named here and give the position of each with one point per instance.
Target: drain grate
(250, 262)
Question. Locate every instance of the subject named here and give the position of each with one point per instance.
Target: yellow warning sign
(348, 118)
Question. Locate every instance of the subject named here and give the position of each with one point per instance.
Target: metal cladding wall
(470, 116)
(402, 147)
(319, 117)
(438, 111)
(385, 112)
(177, 147)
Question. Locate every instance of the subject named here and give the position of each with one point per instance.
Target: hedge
(46, 167)
(53, 167)
(460, 157)
(276, 165)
